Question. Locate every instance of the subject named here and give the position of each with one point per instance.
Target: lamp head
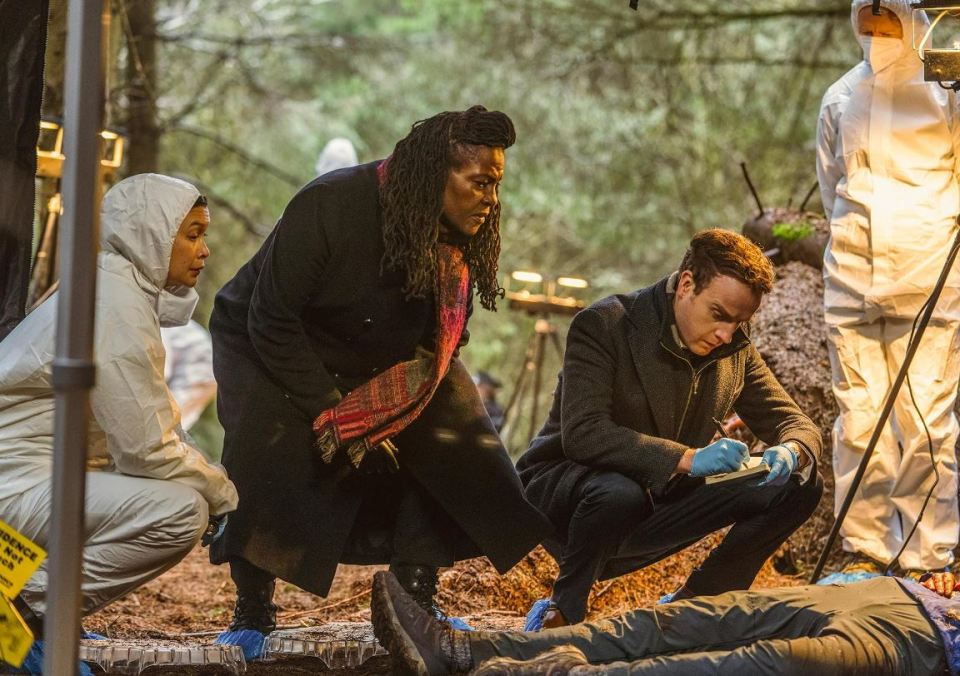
(937, 41)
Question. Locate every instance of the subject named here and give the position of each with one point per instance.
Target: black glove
(382, 459)
(214, 529)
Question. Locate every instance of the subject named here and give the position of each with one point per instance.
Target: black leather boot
(255, 610)
(420, 582)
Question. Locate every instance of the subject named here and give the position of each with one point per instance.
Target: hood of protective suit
(337, 154)
(902, 54)
(139, 220)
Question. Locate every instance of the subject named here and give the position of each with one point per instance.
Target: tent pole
(73, 366)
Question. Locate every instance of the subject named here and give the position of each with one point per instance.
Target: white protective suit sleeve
(133, 407)
(829, 166)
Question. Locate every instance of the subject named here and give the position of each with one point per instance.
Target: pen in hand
(719, 425)
(722, 432)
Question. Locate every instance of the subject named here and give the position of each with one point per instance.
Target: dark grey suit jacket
(630, 400)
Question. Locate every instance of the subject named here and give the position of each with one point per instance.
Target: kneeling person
(149, 492)
(619, 464)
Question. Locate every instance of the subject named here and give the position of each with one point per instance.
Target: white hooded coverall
(887, 166)
(148, 492)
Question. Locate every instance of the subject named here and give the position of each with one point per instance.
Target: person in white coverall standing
(887, 166)
(149, 492)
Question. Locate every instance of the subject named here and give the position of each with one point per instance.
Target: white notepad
(755, 468)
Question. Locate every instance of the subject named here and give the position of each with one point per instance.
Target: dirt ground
(193, 601)
(790, 334)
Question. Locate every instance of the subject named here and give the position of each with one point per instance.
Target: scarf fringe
(356, 451)
(327, 443)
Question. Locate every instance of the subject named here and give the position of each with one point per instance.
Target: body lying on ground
(884, 625)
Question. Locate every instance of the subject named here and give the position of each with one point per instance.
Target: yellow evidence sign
(15, 636)
(19, 559)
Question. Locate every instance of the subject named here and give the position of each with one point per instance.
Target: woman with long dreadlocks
(353, 432)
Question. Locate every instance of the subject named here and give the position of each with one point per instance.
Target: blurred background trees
(631, 125)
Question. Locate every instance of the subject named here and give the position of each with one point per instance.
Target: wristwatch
(802, 457)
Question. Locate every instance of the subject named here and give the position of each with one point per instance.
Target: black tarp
(23, 31)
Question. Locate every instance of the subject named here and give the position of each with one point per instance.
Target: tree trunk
(44, 265)
(54, 60)
(143, 129)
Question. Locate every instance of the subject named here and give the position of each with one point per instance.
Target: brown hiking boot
(418, 643)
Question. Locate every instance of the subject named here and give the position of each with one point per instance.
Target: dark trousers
(397, 523)
(617, 528)
(870, 627)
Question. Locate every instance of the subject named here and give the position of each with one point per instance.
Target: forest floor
(193, 602)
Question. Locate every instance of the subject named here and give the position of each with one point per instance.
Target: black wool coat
(630, 401)
(307, 319)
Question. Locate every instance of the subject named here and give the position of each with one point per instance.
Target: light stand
(50, 159)
(529, 381)
(888, 404)
(532, 369)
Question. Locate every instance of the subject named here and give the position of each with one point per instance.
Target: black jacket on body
(632, 400)
(307, 319)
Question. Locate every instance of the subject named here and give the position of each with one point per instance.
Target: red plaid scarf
(385, 405)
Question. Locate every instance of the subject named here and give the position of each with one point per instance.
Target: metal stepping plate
(133, 656)
(339, 645)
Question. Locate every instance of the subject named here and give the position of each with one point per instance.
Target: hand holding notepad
(753, 469)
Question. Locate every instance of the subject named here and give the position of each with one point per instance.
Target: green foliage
(792, 232)
(631, 125)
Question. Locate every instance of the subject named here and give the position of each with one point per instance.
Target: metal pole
(888, 405)
(543, 329)
(73, 367)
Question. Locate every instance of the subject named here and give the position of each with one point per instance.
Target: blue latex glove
(214, 530)
(458, 623)
(782, 461)
(535, 615)
(723, 455)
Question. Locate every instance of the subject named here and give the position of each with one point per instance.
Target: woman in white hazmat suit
(887, 166)
(149, 492)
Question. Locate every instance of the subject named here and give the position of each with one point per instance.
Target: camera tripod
(888, 405)
(529, 381)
